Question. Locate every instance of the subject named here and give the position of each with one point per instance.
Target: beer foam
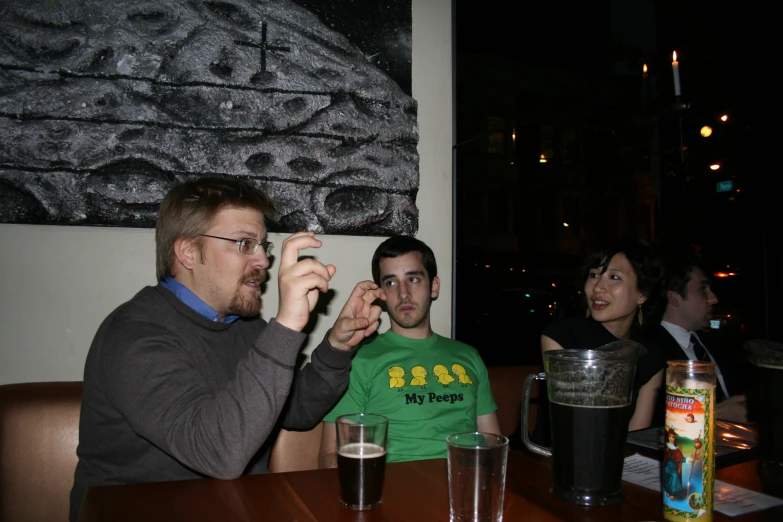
(362, 450)
(771, 366)
(602, 406)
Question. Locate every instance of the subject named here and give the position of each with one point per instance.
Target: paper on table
(730, 500)
(642, 471)
(734, 500)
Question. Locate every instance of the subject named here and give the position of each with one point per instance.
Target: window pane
(547, 142)
(497, 135)
(569, 145)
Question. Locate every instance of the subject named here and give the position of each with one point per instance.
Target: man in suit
(689, 301)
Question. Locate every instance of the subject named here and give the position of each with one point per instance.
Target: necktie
(698, 349)
(701, 355)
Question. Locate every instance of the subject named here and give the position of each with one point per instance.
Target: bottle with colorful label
(689, 456)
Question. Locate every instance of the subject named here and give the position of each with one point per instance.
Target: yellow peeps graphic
(461, 374)
(419, 374)
(396, 381)
(443, 375)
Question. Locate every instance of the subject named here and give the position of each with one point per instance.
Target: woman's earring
(640, 316)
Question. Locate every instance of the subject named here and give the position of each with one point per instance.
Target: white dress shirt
(683, 338)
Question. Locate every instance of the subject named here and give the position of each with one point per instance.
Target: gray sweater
(171, 395)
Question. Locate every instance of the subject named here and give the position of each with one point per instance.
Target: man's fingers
(308, 266)
(375, 314)
(359, 318)
(301, 286)
(371, 329)
(367, 291)
(370, 296)
(361, 288)
(293, 244)
(352, 324)
(360, 301)
(312, 282)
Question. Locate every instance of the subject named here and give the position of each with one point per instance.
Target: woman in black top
(621, 290)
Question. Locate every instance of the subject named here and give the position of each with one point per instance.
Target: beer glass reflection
(477, 476)
(361, 459)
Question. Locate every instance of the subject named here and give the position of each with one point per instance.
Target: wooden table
(414, 491)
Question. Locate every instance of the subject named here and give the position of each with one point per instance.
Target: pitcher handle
(535, 448)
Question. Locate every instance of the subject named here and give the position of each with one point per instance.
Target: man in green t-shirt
(427, 385)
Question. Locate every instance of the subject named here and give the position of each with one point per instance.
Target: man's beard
(242, 306)
(412, 320)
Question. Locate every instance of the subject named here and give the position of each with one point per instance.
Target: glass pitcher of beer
(589, 409)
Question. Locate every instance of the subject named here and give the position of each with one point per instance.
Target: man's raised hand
(359, 318)
(300, 281)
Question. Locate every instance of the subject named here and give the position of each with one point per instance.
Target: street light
(706, 131)
(724, 118)
(714, 166)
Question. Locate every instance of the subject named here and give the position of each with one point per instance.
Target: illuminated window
(497, 135)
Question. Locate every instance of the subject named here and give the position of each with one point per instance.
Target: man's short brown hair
(188, 209)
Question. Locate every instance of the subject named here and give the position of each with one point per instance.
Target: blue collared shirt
(192, 300)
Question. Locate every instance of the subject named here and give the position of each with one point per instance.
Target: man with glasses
(186, 380)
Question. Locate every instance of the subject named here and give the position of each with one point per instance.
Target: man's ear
(435, 287)
(673, 298)
(187, 252)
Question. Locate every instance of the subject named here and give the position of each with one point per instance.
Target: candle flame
(644, 68)
(674, 56)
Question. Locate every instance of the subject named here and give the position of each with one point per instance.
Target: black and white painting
(106, 104)
(380, 30)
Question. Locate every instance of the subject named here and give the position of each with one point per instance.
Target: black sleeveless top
(587, 333)
(584, 334)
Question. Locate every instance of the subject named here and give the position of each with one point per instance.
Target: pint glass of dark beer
(361, 459)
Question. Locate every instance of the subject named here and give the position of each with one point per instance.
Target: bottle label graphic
(689, 456)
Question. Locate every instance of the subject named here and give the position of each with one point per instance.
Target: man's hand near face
(300, 280)
(359, 318)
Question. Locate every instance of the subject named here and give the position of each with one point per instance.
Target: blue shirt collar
(185, 295)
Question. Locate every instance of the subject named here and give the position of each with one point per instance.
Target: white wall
(58, 283)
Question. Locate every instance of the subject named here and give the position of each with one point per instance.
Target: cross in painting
(263, 45)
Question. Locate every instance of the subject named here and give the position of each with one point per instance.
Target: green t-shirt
(428, 388)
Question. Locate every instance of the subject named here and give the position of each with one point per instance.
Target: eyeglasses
(247, 246)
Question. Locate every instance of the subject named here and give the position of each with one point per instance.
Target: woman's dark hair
(646, 266)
